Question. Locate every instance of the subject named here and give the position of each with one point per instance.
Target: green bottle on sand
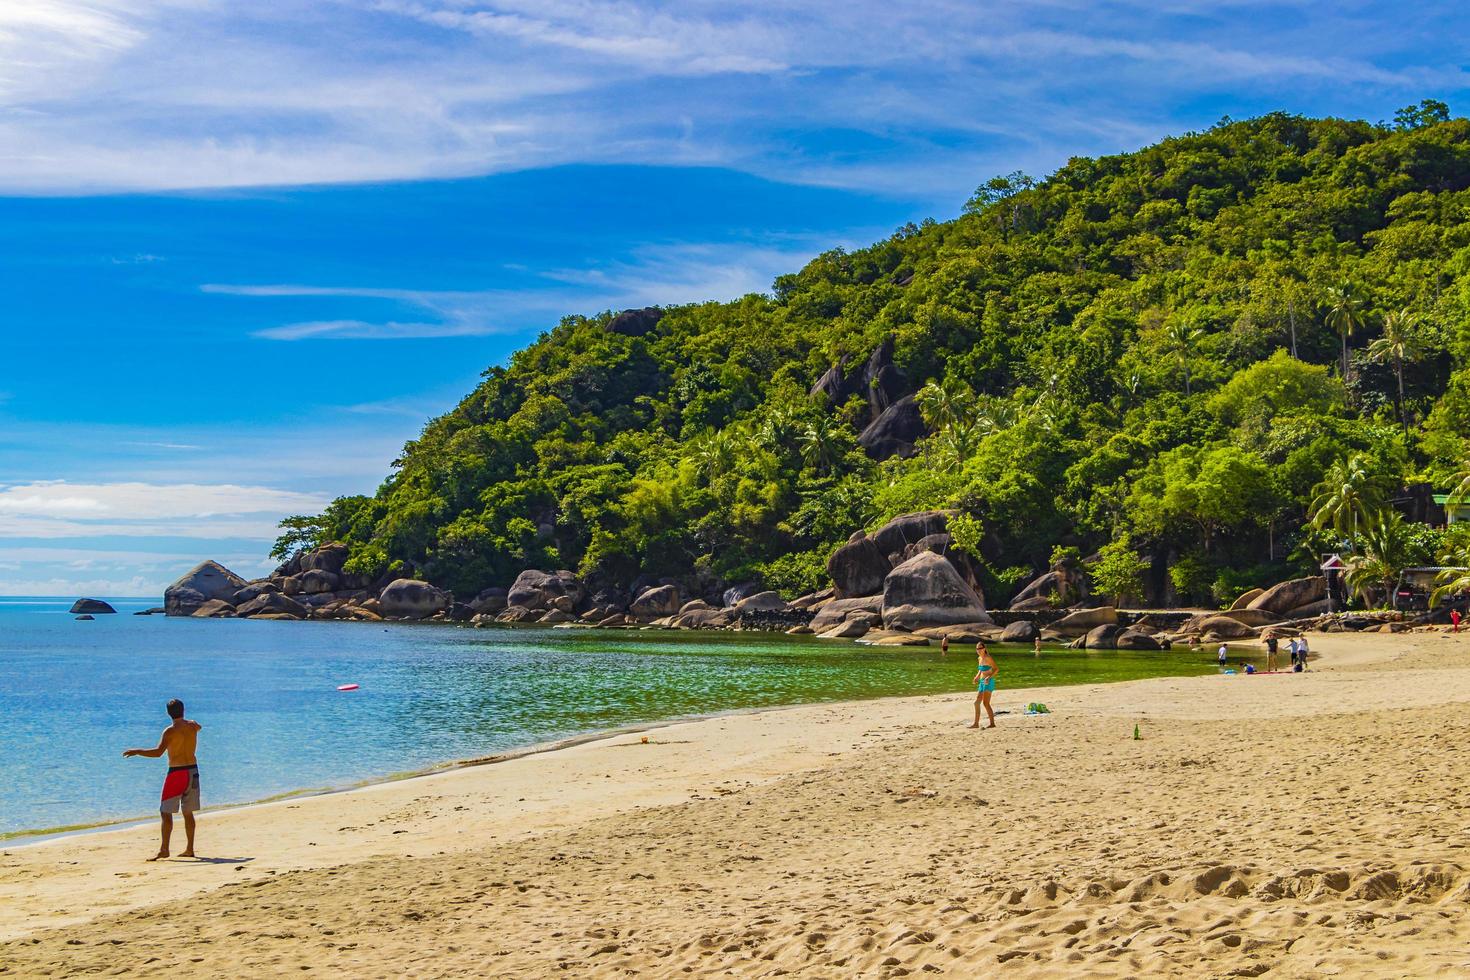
(1136, 737)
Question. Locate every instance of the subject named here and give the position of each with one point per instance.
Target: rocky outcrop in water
(92, 607)
(927, 591)
(209, 581)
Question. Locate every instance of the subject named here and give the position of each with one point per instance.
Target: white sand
(1307, 825)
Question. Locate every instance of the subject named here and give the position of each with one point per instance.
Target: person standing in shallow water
(181, 785)
(984, 681)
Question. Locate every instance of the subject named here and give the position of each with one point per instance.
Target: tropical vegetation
(1222, 354)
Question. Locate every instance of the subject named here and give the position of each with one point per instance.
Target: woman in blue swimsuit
(984, 681)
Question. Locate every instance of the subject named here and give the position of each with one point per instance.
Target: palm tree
(822, 445)
(1345, 315)
(1181, 339)
(1399, 343)
(1386, 553)
(1346, 499)
(779, 431)
(714, 454)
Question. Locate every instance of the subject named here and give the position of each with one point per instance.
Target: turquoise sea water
(73, 695)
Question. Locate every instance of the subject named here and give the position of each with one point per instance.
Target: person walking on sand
(1301, 650)
(984, 681)
(181, 785)
(1270, 644)
(1455, 620)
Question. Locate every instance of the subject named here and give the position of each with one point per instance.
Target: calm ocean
(73, 695)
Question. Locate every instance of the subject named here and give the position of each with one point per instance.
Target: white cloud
(59, 509)
(363, 330)
(180, 94)
(655, 275)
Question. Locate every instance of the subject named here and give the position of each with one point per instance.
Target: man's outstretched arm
(152, 753)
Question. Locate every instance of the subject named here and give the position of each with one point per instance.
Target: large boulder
(327, 558)
(735, 593)
(813, 599)
(963, 632)
(878, 381)
(1283, 597)
(1253, 617)
(657, 602)
(1021, 631)
(316, 581)
(1056, 589)
(1104, 637)
(1246, 598)
(894, 537)
(848, 629)
(491, 600)
(869, 609)
(213, 609)
(412, 599)
(927, 591)
(92, 607)
(255, 589)
(858, 568)
(1224, 627)
(272, 602)
(1081, 621)
(536, 589)
(1135, 639)
(770, 601)
(517, 614)
(882, 382)
(635, 323)
(1319, 608)
(205, 581)
(895, 432)
(704, 618)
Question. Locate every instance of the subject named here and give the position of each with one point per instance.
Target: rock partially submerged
(92, 607)
(927, 591)
(656, 603)
(869, 609)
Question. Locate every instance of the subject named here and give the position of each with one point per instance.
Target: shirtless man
(181, 785)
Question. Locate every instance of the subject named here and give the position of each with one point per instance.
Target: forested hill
(1166, 351)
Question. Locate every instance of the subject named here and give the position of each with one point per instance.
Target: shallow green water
(275, 721)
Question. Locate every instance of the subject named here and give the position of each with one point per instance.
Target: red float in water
(348, 687)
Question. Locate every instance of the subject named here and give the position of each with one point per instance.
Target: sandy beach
(1301, 825)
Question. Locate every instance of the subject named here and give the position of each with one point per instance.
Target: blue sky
(247, 249)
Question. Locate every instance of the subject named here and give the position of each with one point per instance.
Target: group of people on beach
(1296, 648)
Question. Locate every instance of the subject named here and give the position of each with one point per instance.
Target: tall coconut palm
(1345, 314)
(1386, 553)
(822, 445)
(1399, 345)
(714, 454)
(1346, 499)
(1181, 338)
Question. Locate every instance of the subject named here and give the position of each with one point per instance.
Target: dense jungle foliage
(1177, 355)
